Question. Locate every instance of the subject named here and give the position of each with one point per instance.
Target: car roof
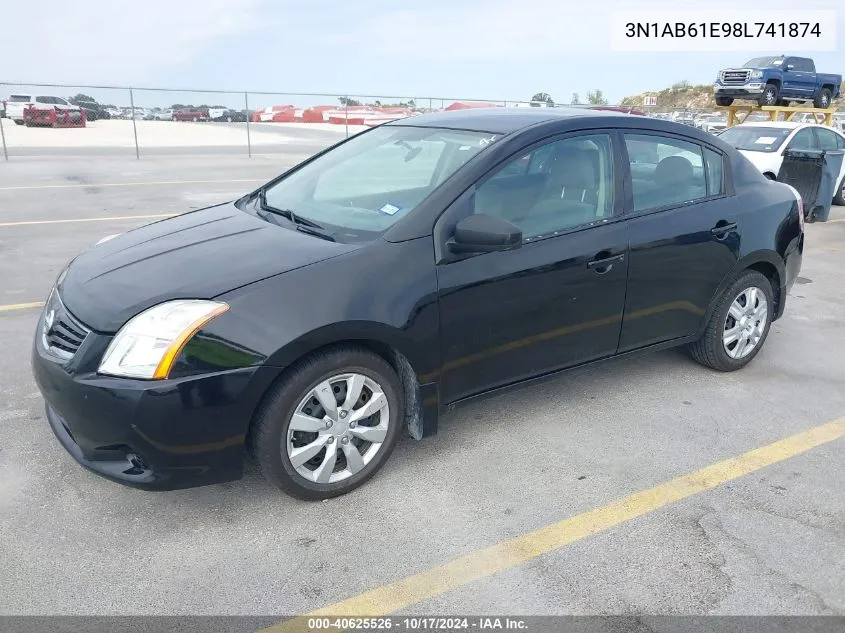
(504, 120)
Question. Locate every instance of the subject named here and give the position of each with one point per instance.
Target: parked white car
(764, 144)
(714, 123)
(15, 105)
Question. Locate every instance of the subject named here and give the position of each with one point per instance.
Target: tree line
(594, 97)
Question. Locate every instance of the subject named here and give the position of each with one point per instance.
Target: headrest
(573, 168)
(673, 170)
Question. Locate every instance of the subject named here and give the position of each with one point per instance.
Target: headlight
(147, 346)
(756, 74)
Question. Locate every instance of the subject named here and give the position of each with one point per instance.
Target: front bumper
(746, 90)
(156, 435)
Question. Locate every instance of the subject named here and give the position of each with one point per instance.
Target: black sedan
(409, 268)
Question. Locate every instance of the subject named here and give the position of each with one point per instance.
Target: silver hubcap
(337, 428)
(745, 323)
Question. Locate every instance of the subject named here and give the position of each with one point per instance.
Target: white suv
(15, 105)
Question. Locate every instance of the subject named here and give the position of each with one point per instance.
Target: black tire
(839, 198)
(724, 101)
(769, 176)
(770, 96)
(709, 350)
(18, 121)
(823, 99)
(272, 420)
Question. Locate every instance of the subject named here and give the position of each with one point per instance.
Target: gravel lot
(772, 542)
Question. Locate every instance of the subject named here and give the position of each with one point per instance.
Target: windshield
(755, 139)
(763, 62)
(362, 187)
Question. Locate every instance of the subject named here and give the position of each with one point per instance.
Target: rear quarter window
(20, 99)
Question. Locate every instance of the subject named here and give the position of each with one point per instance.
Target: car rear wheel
(823, 99)
(329, 424)
(770, 95)
(739, 325)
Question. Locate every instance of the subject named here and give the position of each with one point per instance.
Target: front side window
(555, 187)
(804, 140)
(827, 138)
(664, 171)
(365, 185)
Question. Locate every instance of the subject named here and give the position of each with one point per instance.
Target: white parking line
(132, 184)
(113, 218)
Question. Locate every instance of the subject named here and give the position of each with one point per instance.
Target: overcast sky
(498, 49)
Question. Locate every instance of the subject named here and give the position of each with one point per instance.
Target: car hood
(197, 255)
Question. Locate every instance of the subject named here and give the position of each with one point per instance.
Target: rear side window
(715, 172)
(665, 171)
(20, 99)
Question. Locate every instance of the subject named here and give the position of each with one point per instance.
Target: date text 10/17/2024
(722, 29)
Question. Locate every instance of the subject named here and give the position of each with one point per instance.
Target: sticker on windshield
(765, 140)
(464, 148)
(486, 141)
(390, 209)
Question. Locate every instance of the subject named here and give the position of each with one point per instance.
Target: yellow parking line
(506, 554)
(115, 218)
(132, 184)
(21, 306)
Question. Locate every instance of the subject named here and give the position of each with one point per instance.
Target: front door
(685, 237)
(555, 302)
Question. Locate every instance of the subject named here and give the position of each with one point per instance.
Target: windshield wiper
(316, 232)
(286, 213)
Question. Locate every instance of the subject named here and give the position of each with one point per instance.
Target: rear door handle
(720, 230)
(604, 264)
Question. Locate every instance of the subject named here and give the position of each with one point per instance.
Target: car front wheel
(770, 95)
(330, 423)
(739, 324)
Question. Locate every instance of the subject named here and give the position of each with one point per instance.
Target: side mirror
(484, 234)
(790, 66)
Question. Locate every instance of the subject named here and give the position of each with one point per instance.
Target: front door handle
(604, 264)
(722, 229)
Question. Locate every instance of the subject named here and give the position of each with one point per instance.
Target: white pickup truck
(15, 105)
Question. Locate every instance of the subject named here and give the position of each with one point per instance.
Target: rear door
(684, 235)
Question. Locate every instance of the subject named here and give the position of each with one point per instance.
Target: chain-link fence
(123, 121)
